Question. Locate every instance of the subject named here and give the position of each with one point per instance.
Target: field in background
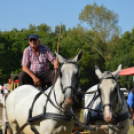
(131, 130)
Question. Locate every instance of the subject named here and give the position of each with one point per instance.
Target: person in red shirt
(35, 64)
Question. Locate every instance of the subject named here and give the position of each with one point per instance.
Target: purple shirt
(38, 64)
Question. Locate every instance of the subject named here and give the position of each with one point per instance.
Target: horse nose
(69, 101)
(108, 116)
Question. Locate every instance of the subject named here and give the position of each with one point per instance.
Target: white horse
(57, 103)
(108, 102)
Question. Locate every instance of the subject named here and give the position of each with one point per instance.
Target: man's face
(34, 42)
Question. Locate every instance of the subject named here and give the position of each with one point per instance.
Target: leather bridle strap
(35, 98)
(107, 105)
(63, 90)
(67, 62)
(90, 92)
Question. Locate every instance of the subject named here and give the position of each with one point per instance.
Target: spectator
(130, 102)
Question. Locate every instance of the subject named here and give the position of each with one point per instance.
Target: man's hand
(36, 81)
(56, 66)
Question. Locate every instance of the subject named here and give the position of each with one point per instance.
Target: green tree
(45, 28)
(103, 23)
(123, 54)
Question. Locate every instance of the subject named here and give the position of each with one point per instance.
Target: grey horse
(107, 105)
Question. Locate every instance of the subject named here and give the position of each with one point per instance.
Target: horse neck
(58, 88)
(124, 106)
(57, 92)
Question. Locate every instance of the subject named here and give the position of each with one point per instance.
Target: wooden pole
(59, 36)
(10, 86)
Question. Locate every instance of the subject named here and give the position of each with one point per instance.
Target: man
(130, 102)
(35, 64)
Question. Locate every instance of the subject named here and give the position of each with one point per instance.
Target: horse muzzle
(68, 101)
(108, 116)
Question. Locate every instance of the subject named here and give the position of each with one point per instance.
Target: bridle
(74, 89)
(118, 116)
(117, 88)
(65, 88)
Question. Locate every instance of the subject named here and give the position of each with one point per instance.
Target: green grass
(131, 130)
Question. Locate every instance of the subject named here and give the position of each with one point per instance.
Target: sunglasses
(32, 39)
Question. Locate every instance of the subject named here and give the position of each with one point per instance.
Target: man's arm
(30, 73)
(56, 66)
(53, 60)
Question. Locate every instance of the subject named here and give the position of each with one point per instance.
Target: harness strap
(90, 92)
(34, 129)
(89, 106)
(115, 121)
(22, 127)
(122, 117)
(9, 127)
(30, 114)
(35, 98)
(50, 116)
(41, 117)
(63, 91)
(107, 105)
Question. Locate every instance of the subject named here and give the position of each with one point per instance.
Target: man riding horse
(35, 64)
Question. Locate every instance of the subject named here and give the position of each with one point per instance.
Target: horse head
(108, 89)
(69, 76)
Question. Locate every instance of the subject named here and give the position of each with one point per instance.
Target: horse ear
(116, 73)
(98, 72)
(60, 58)
(78, 57)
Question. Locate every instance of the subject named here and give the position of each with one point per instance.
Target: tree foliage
(101, 45)
(103, 23)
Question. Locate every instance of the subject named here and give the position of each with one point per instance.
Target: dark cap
(33, 36)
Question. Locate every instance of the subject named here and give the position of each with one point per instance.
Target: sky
(21, 13)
